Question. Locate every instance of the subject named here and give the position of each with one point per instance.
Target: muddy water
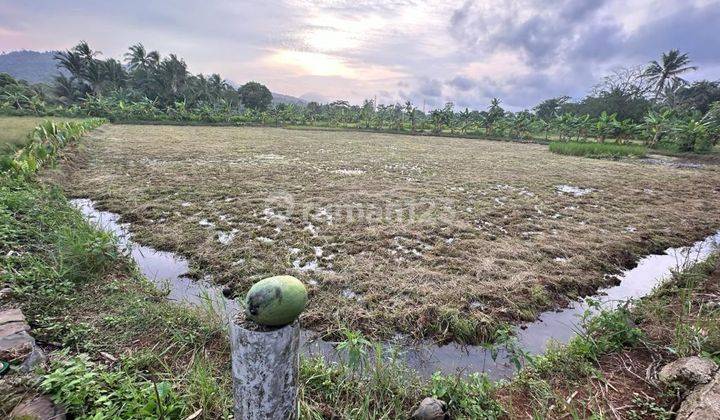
(168, 270)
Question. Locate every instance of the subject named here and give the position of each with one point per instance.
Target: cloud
(431, 87)
(464, 51)
(462, 83)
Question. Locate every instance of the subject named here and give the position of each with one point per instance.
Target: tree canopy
(255, 96)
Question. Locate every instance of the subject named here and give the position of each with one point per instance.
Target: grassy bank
(597, 150)
(611, 370)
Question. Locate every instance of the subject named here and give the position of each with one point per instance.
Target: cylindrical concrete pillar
(265, 371)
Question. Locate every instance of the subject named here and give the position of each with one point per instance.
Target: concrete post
(265, 371)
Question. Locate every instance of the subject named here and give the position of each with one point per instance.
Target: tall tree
(255, 96)
(549, 108)
(139, 58)
(668, 70)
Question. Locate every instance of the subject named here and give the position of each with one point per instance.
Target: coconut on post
(265, 341)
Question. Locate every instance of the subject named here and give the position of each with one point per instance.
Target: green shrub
(597, 150)
(469, 397)
(89, 390)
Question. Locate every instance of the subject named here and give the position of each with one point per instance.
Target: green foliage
(45, 142)
(608, 330)
(470, 397)
(597, 150)
(356, 346)
(385, 389)
(691, 136)
(89, 390)
(255, 96)
(602, 332)
(645, 407)
(614, 101)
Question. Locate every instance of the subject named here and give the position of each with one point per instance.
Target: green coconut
(276, 301)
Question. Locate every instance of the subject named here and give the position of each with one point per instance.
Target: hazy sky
(462, 51)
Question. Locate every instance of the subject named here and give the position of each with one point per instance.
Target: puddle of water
(349, 171)
(164, 269)
(576, 191)
(168, 270)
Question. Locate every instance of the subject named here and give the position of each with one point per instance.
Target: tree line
(652, 104)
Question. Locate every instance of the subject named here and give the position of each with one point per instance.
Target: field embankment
(598, 150)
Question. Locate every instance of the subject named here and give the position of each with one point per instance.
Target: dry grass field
(431, 237)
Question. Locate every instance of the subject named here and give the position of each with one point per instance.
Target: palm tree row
(148, 87)
(145, 74)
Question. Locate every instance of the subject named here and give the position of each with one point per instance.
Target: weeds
(90, 390)
(470, 397)
(597, 150)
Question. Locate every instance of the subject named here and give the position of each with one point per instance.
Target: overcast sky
(462, 51)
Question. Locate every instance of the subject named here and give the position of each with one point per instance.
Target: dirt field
(431, 237)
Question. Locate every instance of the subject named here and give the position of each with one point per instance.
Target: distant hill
(279, 98)
(37, 67)
(31, 66)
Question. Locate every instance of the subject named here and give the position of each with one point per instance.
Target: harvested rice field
(437, 238)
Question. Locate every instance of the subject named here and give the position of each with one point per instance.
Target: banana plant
(625, 130)
(691, 135)
(604, 126)
(582, 126)
(565, 124)
(656, 124)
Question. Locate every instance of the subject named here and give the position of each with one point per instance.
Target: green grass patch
(597, 150)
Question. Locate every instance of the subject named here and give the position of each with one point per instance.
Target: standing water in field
(168, 271)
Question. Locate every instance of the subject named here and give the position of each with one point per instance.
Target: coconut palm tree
(138, 57)
(85, 51)
(170, 77)
(72, 62)
(672, 65)
(66, 89)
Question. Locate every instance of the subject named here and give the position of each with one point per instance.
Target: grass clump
(378, 385)
(597, 150)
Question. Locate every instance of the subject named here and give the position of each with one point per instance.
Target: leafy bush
(469, 397)
(692, 136)
(89, 390)
(610, 330)
(597, 150)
